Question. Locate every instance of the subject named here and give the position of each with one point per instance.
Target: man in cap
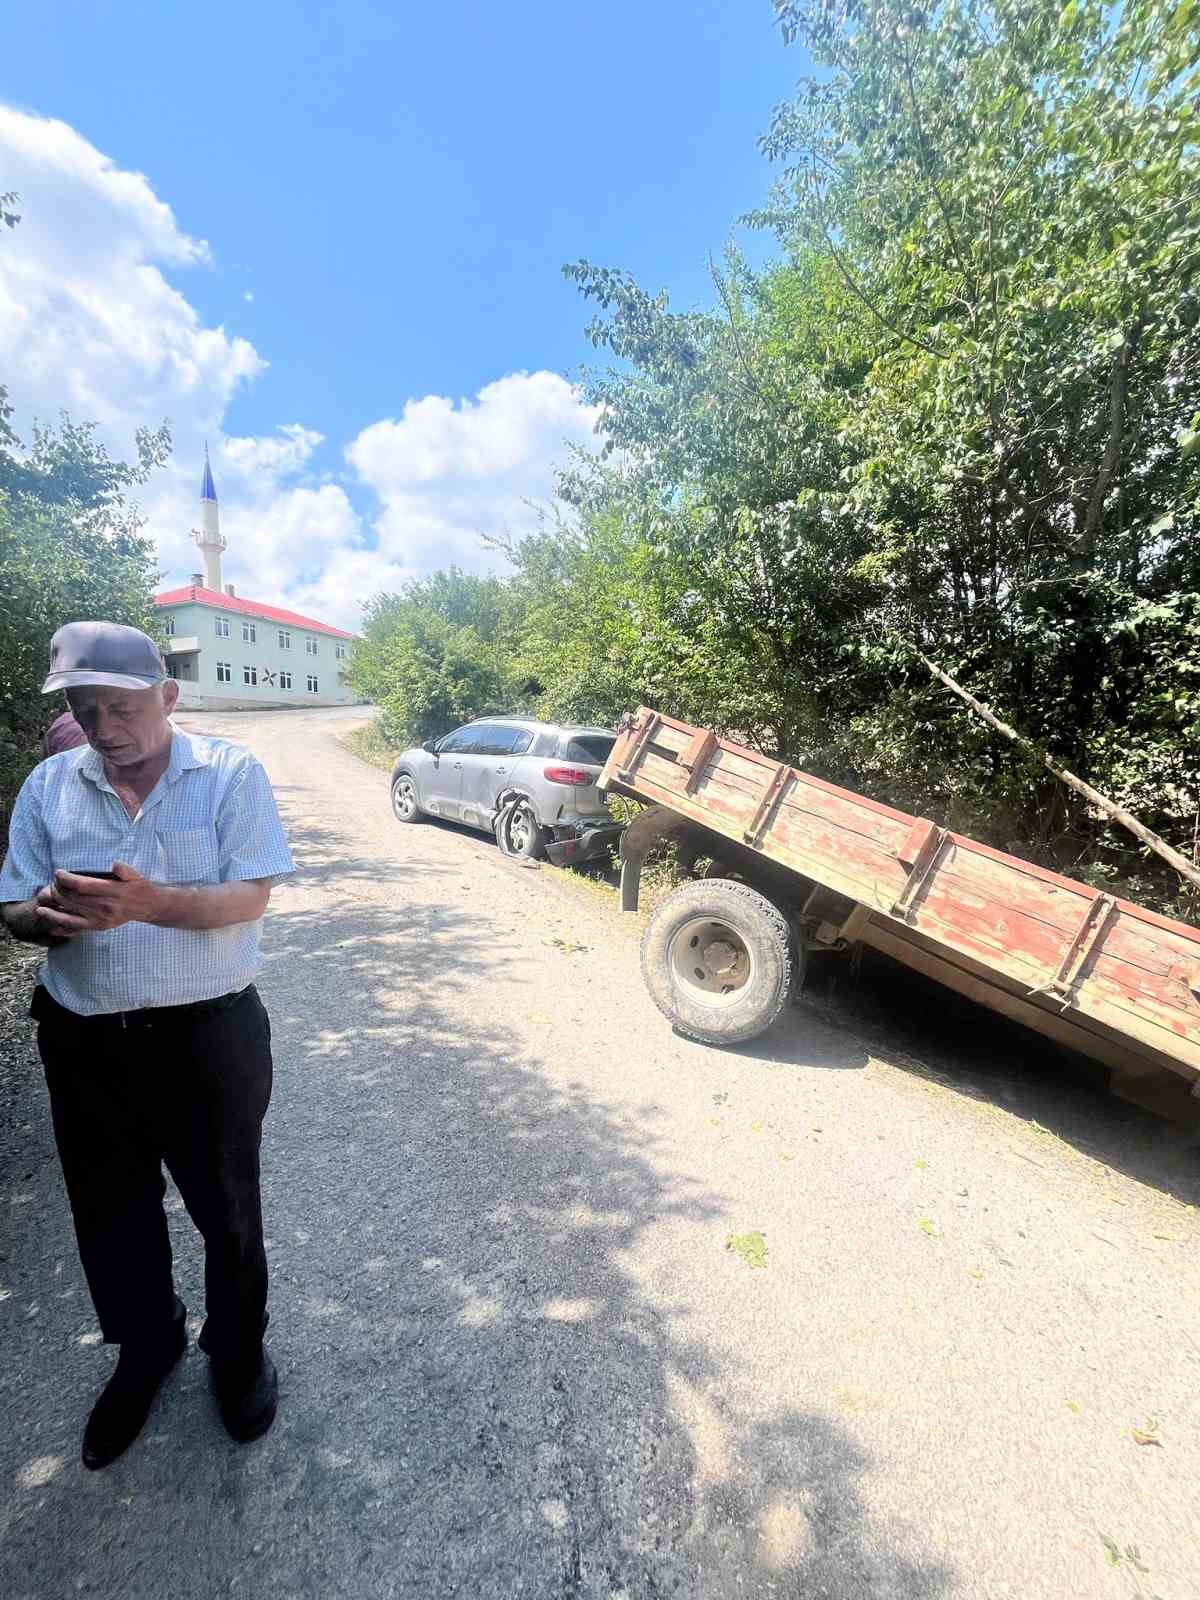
(144, 862)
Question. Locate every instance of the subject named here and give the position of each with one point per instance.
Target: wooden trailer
(797, 864)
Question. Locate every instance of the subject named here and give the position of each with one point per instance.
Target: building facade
(234, 654)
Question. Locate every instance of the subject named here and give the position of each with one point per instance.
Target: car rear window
(592, 748)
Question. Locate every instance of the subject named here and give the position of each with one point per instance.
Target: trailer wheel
(719, 961)
(718, 867)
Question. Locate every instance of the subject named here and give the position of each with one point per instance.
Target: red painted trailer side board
(1107, 973)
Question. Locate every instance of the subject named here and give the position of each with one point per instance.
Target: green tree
(959, 414)
(70, 547)
(726, 463)
(1008, 194)
(592, 612)
(433, 655)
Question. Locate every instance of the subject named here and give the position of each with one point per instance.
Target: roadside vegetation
(369, 744)
(71, 546)
(957, 414)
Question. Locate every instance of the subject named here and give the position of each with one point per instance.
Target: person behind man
(64, 733)
(144, 862)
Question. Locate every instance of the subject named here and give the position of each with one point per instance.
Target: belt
(44, 1006)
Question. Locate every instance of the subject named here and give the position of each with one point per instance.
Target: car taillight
(577, 777)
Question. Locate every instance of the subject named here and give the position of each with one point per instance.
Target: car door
(441, 791)
(486, 769)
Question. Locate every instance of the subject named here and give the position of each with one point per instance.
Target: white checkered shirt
(211, 818)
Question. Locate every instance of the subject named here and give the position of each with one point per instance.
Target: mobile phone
(80, 872)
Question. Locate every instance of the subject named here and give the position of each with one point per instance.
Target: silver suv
(533, 784)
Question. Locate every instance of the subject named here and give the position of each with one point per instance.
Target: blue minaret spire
(207, 488)
(209, 539)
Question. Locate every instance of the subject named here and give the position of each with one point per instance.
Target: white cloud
(286, 451)
(495, 436)
(446, 475)
(349, 578)
(90, 324)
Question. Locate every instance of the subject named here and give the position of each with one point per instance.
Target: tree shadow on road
(483, 1395)
(319, 851)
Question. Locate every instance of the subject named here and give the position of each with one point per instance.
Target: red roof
(195, 595)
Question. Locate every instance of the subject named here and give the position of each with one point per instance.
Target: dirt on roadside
(18, 1053)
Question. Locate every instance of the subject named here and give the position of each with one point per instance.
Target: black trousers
(188, 1087)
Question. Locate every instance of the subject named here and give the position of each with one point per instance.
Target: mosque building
(234, 654)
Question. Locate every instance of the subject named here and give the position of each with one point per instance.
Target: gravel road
(517, 1356)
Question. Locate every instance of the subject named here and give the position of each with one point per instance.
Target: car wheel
(519, 833)
(404, 799)
(719, 961)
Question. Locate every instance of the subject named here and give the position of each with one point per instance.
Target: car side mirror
(430, 747)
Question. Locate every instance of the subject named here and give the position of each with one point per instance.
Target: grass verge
(368, 743)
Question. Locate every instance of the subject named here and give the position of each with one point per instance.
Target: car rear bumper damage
(582, 840)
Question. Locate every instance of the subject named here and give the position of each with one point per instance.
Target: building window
(224, 672)
(250, 676)
(339, 651)
(312, 684)
(285, 680)
(310, 647)
(249, 633)
(285, 640)
(222, 626)
(169, 627)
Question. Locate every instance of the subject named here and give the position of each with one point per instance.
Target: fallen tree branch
(1114, 812)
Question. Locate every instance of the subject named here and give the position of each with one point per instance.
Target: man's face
(127, 726)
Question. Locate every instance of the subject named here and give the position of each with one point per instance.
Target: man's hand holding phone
(91, 902)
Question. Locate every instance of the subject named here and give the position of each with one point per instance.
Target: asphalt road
(517, 1356)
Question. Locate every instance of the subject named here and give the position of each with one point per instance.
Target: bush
(70, 548)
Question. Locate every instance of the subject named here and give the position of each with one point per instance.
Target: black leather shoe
(248, 1395)
(121, 1411)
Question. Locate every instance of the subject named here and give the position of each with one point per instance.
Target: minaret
(209, 539)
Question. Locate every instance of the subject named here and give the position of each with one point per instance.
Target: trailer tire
(718, 867)
(720, 961)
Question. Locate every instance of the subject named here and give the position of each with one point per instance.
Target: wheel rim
(404, 798)
(711, 961)
(520, 829)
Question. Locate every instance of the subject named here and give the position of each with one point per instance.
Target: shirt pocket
(189, 855)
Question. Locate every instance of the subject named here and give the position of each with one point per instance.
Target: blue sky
(386, 195)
